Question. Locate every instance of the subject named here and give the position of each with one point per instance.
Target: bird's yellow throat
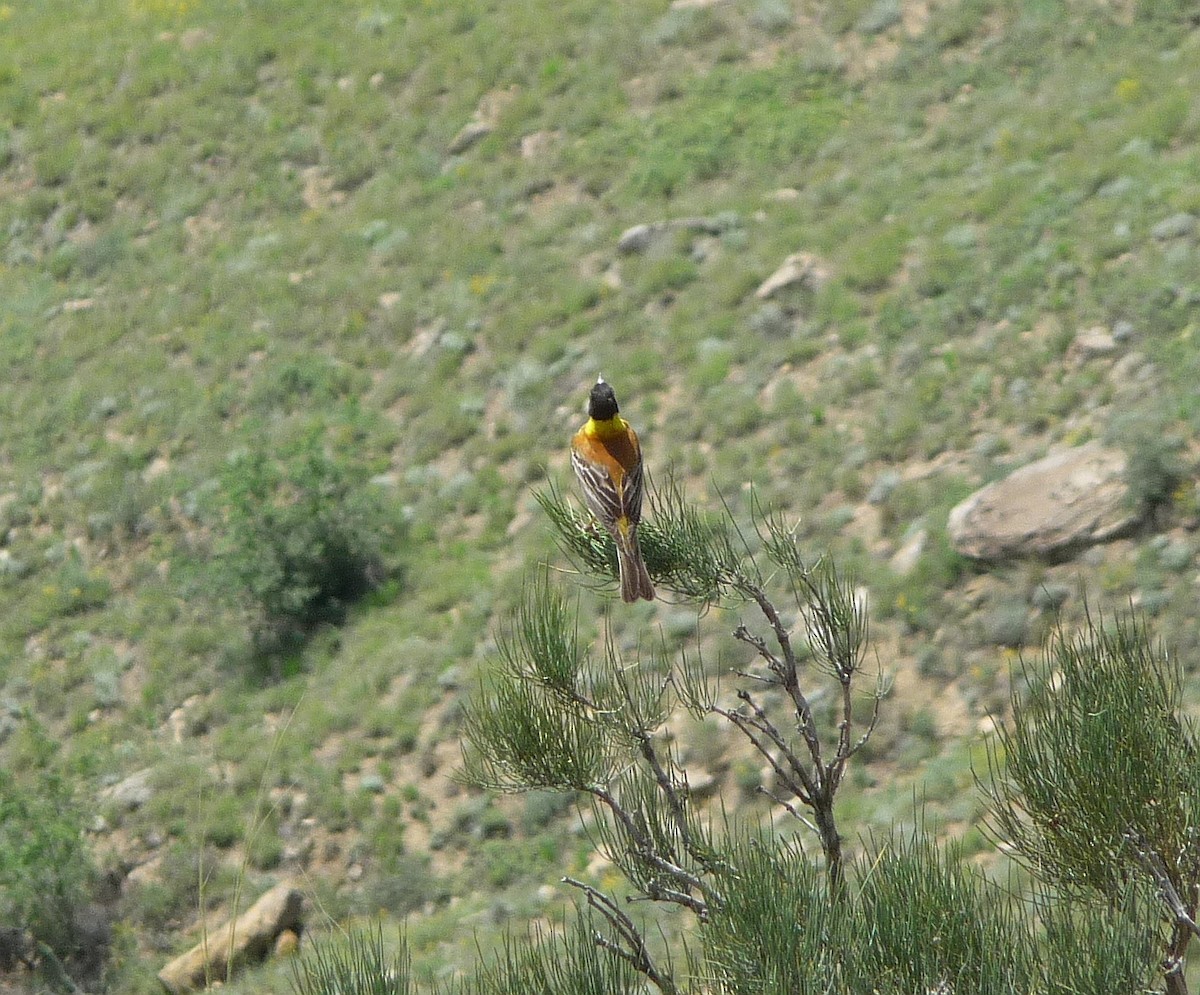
(607, 428)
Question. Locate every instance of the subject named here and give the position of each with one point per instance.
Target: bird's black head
(602, 402)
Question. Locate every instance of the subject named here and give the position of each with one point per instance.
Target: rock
(1091, 343)
(904, 560)
(250, 937)
(640, 238)
(885, 484)
(702, 784)
(537, 144)
(134, 791)
(469, 134)
(636, 240)
(800, 268)
(1127, 369)
(286, 943)
(1072, 498)
(483, 122)
(1175, 226)
(1118, 187)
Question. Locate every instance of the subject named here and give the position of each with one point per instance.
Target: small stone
(537, 143)
(1176, 555)
(1127, 368)
(798, 269)
(1118, 187)
(636, 240)
(905, 559)
(1175, 226)
(702, 784)
(470, 134)
(134, 791)
(1091, 343)
(287, 943)
(883, 487)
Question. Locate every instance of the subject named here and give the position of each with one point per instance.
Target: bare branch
(759, 730)
(1153, 864)
(634, 951)
(744, 635)
(782, 637)
(789, 807)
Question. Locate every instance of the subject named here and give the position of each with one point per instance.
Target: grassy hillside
(248, 228)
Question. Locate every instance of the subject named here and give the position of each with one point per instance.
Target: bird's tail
(635, 580)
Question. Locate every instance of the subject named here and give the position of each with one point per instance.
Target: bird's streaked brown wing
(598, 489)
(632, 493)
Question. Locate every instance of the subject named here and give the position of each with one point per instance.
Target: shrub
(1153, 470)
(46, 871)
(303, 537)
(405, 883)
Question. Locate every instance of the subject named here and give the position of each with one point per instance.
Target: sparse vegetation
(241, 268)
(905, 913)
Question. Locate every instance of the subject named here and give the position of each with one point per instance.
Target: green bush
(1154, 468)
(404, 884)
(304, 537)
(46, 871)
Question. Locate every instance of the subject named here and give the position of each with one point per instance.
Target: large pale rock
(249, 938)
(1072, 498)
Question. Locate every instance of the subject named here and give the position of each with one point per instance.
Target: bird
(607, 458)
